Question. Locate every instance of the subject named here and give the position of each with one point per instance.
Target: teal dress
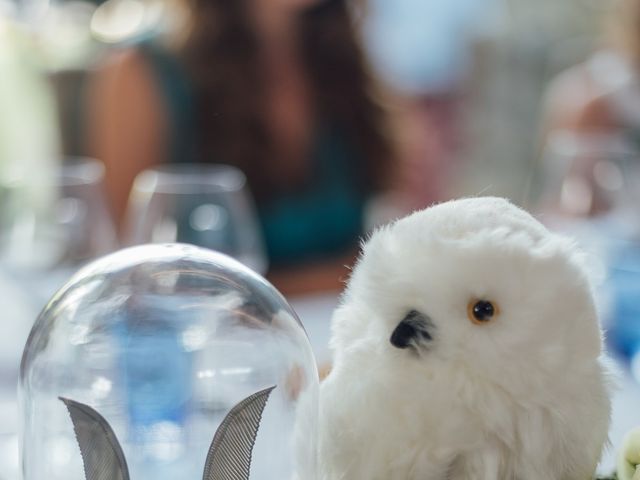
(322, 220)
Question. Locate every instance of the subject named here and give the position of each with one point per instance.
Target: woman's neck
(277, 31)
(288, 110)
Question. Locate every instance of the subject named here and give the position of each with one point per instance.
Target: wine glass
(205, 205)
(590, 174)
(593, 188)
(54, 225)
(50, 224)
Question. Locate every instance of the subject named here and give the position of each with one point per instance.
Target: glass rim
(174, 178)
(80, 171)
(71, 171)
(599, 142)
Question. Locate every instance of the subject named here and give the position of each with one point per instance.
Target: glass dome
(148, 353)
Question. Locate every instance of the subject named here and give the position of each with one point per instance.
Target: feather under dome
(160, 343)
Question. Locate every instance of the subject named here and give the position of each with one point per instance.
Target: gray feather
(101, 452)
(230, 453)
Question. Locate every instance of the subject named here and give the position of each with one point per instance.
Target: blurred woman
(278, 88)
(593, 114)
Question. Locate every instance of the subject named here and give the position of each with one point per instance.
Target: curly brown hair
(221, 54)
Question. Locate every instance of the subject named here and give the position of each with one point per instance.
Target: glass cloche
(163, 362)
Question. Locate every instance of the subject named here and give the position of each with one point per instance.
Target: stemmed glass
(48, 228)
(51, 228)
(205, 205)
(50, 224)
(593, 187)
(590, 174)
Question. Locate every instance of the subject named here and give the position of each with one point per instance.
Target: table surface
(315, 313)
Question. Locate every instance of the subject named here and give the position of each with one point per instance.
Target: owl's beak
(414, 330)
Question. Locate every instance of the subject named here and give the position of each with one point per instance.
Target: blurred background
(282, 131)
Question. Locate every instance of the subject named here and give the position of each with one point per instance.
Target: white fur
(523, 397)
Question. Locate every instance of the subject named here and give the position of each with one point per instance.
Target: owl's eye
(482, 311)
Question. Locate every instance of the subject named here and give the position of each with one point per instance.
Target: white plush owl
(466, 346)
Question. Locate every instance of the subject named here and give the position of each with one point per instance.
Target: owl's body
(467, 346)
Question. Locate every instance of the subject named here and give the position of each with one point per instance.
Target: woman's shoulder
(122, 90)
(150, 73)
(124, 71)
(137, 62)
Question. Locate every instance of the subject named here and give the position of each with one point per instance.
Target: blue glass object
(155, 366)
(624, 280)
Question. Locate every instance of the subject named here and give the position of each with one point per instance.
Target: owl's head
(477, 283)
